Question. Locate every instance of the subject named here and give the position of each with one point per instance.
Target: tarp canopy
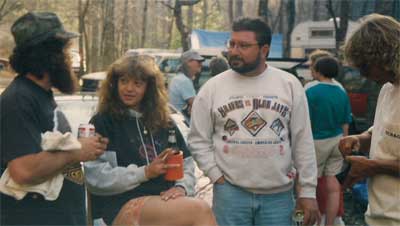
(214, 42)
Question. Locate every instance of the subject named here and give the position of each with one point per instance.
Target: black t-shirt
(27, 111)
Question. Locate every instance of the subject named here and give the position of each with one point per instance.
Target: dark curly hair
(256, 25)
(50, 56)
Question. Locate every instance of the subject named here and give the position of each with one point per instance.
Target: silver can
(86, 130)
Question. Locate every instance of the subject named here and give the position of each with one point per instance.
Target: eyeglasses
(241, 46)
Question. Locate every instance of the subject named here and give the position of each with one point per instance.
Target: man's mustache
(235, 58)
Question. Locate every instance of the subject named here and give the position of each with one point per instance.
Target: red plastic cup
(174, 173)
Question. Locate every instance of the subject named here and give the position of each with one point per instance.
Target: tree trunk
(205, 15)
(278, 18)
(291, 12)
(177, 10)
(95, 22)
(316, 10)
(344, 22)
(82, 10)
(180, 26)
(340, 32)
(125, 32)
(108, 50)
(144, 25)
(230, 11)
(190, 19)
(239, 8)
(263, 10)
(170, 27)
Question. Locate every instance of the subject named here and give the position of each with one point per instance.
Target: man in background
(181, 89)
(217, 66)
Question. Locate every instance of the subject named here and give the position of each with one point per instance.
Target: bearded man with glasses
(251, 134)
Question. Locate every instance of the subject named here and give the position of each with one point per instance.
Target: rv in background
(311, 35)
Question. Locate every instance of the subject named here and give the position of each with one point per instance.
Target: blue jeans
(234, 206)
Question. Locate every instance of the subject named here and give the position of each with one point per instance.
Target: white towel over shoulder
(50, 189)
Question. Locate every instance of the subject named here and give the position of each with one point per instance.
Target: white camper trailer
(311, 35)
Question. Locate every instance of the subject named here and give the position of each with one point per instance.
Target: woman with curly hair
(133, 113)
(375, 49)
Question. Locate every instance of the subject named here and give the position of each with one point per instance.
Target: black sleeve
(100, 124)
(20, 130)
(103, 126)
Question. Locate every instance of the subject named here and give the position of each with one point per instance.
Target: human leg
(333, 167)
(232, 205)
(274, 209)
(333, 197)
(154, 211)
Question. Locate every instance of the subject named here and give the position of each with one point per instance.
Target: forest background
(110, 27)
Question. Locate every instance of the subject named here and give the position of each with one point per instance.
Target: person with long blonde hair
(127, 183)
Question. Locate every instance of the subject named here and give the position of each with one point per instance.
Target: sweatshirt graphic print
(254, 131)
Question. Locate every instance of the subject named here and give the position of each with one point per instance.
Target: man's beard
(245, 67)
(61, 74)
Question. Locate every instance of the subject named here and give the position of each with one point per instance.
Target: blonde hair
(318, 53)
(376, 42)
(154, 105)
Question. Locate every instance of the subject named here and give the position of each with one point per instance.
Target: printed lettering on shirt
(392, 134)
(255, 104)
(233, 105)
(253, 123)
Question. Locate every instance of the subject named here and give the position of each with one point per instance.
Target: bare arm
(361, 142)
(362, 167)
(365, 142)
(389, 167)
(39, 167)
(190, 103)
(345, 128)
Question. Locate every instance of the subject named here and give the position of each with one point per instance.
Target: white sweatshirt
(254, 131)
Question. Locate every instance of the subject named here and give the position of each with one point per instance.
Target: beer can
(298, 217)
(86, 130)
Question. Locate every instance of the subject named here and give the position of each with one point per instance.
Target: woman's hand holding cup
(159, 165)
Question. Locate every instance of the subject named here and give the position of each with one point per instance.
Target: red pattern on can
(86, 130)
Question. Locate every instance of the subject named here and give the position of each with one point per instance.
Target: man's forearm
(39, 167)
(345, 128)
(388, 167)
(365, 142)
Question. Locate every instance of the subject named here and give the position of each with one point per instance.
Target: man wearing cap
(181, 89)
(28, 110)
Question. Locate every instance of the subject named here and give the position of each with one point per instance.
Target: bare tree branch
(167, 5)
(188, 2)
(3, 5)
(5, 8)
